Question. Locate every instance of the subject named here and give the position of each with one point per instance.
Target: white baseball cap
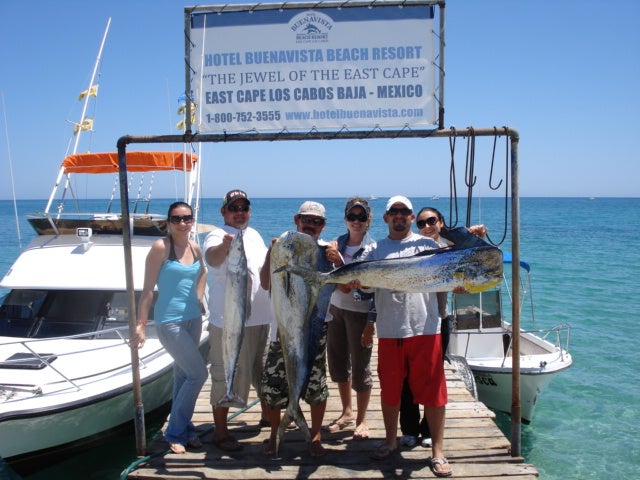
(399, 199)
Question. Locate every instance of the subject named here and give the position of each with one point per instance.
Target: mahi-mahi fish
(237, 308)
(476, 268)
(293, 301)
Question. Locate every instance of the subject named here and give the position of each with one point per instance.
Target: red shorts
(420, 360)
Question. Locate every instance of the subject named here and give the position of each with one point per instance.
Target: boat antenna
(82, 124)
(13, 188)
(91, 86)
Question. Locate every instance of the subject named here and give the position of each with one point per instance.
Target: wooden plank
(474, 445)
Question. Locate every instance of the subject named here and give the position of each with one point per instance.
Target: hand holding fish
(479, 230)
(333, 254)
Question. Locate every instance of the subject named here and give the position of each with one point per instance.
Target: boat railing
(554, 339)
(100, 223)
(31, 357)
(559, 336)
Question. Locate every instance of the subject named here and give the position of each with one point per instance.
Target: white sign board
(322, 68)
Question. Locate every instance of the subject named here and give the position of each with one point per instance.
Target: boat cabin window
(469, 309)
(19, 312)
(58, 313)
(72, 312)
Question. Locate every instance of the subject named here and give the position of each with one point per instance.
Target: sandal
(383, 452)
(177, 448)
(337, 425)
(440, 467)
(227, 444)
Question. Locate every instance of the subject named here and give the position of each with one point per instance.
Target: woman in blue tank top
(175, 265)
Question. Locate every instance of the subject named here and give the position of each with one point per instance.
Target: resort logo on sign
(311, 27)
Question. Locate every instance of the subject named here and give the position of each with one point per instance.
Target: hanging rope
(506, 182)
(453, 193)
(469, 175)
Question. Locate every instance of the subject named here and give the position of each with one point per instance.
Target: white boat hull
(485, 340)
(492, 370)
(65, 412)
(494, 381)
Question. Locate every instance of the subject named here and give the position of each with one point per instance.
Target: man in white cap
(310, 219)
(236, 212)
(409, 343)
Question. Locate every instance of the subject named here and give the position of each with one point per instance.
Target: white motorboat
(65, 362)
(481, 335)
(66, 373)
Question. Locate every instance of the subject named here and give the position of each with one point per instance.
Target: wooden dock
(474, 445)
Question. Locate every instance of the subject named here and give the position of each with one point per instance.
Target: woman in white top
(350, 335)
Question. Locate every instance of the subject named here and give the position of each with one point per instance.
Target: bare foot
(361, 432)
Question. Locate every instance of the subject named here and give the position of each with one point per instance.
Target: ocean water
(584, 254)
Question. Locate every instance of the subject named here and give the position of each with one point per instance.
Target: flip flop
(337, 425)
(438, 465)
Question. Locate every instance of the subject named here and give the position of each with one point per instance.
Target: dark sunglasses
(431, 221)
(318, 222)
(238, 208)
(176, 219)
(401, 211)
(361, 217)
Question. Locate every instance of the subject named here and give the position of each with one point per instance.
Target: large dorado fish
(237, 306)
(293, 301)
(476, 268)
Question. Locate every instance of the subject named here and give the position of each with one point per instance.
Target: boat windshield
(57, 313)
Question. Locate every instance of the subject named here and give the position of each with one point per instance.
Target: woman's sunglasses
(431, 221)
(176, 219)
(361, 217)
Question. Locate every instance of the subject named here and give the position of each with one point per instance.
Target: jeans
(181, 341)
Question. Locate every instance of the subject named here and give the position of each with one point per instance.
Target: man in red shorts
(408, 326)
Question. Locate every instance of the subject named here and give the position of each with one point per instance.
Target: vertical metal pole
(141, 438)
(441, 70)
(516, 409)
(187, 70)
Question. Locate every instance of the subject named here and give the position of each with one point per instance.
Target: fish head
(484, 270)
(294, 248)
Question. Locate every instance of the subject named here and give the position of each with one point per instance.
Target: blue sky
(565, 74)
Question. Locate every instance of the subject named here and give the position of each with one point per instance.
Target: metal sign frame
(376, 104)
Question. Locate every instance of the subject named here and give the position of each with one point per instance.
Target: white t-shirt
(255, 250)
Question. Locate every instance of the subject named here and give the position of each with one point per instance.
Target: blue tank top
(177, 296)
